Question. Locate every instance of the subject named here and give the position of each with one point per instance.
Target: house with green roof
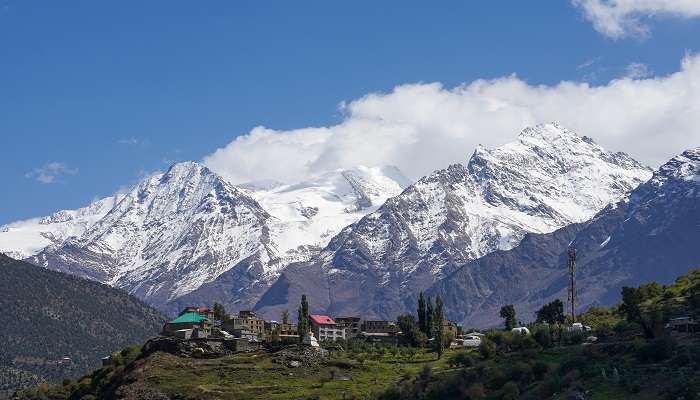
(188, 324)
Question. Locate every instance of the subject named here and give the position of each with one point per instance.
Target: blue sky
(93, 96)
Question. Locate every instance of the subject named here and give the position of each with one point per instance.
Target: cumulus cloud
(623, 18)
(49, 172)
(424, 127)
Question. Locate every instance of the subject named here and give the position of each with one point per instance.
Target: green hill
(48, 315)
(625, 361)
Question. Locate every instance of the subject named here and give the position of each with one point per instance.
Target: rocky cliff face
(549, 178)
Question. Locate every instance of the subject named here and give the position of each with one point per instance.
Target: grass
(255, 376)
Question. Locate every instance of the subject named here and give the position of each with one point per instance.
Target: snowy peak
(169, 235)
(26, 238)
(553, 173)
(685, 166)
(307, 214)
(549, 178)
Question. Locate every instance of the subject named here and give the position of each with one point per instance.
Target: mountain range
(547, 179)
(650, 235)
(366, 240)
(177, 232)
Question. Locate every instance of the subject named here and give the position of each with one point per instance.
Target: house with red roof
(325, 328)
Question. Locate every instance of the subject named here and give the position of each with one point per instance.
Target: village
(250, 332)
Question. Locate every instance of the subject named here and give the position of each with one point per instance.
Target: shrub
(550, 386)
(572, 364)
(657, 350)
(521, 372)
(497, 378)
(487, 348)
(523, 342)
(543, 336)
(476, 391)
(462, 359)
(540, 369)
(510, 391)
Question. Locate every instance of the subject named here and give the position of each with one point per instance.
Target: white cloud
(622, 18)
(133, 142)
(637, 71)
(49, 172)
(423, 127)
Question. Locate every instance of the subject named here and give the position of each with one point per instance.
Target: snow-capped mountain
(176, 232)
(26, 238)
(311, 212)
(304, 217)
(168, 235)
(549, 178)
(649, 235)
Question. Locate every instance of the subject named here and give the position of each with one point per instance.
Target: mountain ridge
(458, 214)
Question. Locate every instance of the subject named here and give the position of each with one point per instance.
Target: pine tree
(303, 317)
(439, 327)
(219, 312)
(429, 319)
(421, 312)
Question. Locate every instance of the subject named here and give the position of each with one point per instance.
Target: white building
(325, 328)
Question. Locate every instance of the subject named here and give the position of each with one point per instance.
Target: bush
(657, 350)
(487, 348)
(476, 391)
(523, 342)
(543, 336)
(510, 391)
(462, 359)
(521, 372)
(497, 378)
(540, 369)
(550, 386)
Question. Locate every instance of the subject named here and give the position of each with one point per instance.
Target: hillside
(617, 360)
(50, 315)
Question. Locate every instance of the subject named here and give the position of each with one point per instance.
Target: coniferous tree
(429, 319)
(303, 318)
(219, 312)
(421, 312)
(285, 317)
(439, 327)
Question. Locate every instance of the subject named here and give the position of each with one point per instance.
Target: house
(380, 327)
(352, 325)
(246, 321)
(380, 337)
(201, 326)
(287, 329)
(325, 328)
(203, 311)
(449, 327)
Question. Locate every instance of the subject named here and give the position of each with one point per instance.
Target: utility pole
(572, 282)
